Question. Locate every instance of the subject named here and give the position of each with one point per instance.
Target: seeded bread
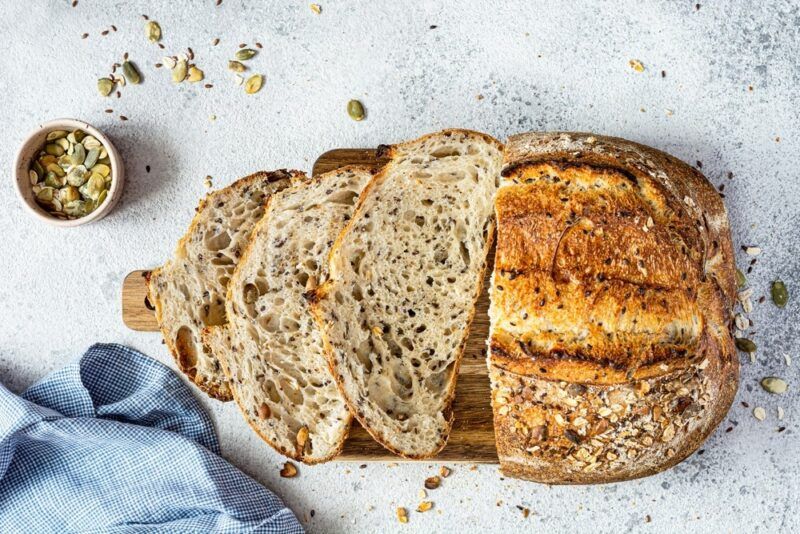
(405, 275)
(610, 353)
(188, 292)
(271, 349)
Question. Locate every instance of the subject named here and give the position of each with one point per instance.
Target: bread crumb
(636, 65)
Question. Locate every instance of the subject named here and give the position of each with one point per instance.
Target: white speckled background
(539, 65)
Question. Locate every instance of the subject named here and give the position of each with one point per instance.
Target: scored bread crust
(181, 325)
(587, 387)
(320, 206)
(325, 313)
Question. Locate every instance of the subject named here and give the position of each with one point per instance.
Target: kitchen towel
(115, 442)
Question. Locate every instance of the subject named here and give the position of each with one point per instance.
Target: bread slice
(405, 276)
(188, 292)
(271, 349)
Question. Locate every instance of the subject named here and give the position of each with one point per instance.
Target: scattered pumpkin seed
(180, 71)
(245, 53)
(236, 66)
(153, 31)
(759, 413)
(253, 84)
(774, 384)
(105, 86)
(741, 281)
(745, 345)
(316, 8)
(131, 72)
(636, 65)
(195, 74)
(356, 110)
(780, 295)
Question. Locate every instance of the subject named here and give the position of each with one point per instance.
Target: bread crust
(625, 398)
(180, 354)
(322, 292)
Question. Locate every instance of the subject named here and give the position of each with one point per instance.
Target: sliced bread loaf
(188, 292)
(404, 278)
(271, 348)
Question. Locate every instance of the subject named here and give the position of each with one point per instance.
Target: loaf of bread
(271, 349)
(610, 354)
(188, 292)
(404, 278)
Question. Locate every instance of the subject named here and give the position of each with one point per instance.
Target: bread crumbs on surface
(424, 506)
(780, 413)
(422, 494)
(316, 8)
(445, 471)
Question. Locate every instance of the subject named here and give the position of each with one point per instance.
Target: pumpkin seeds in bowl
(71, 174)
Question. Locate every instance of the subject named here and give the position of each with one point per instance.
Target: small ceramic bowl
(30, 148)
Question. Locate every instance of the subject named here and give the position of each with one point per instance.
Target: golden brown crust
(182, 355)
(610, 355)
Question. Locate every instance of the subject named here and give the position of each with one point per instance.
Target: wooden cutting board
(472, 437)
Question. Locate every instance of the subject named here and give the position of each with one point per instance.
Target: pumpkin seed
(78, 154)
(76, 208)
(38, 168)
(131, 72)
(56, 134)
(54, 149)
(102, 170)
(236, 66)
(245, 53)
(741, 281)
(45, 194)
(56, 204)
(253, 84)
(102, 197)
(356, 110)
(34, 176)
(179, 72)
(774, 384)
(90, 142)
(77, 176)
(195, 74)
(745, 345)
(91, 158)
(153, 31)
(52, 180)
(63, 143)
(68, 194)
(105, 86)
(78, 136)
(56, 169)
(780, 295)
(759, 413)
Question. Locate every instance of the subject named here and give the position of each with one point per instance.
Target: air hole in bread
(217, 241)
(222, 260)
(464, 251)
(427, 202)
(363, 351)
(356, 292)
(289, 325)
(345, 197)
(407, 343)
(250, 293)
(271, 391)
(293, 393)
(213, 313)
(445, 152)
(302, 278)
(269, 322)
(402, 385)
(419, 220)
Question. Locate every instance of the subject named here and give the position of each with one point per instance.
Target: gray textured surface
(538, 66)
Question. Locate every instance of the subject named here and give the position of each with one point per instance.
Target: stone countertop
(720, 86)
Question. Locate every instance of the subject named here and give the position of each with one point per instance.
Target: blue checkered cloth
(115, 442)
